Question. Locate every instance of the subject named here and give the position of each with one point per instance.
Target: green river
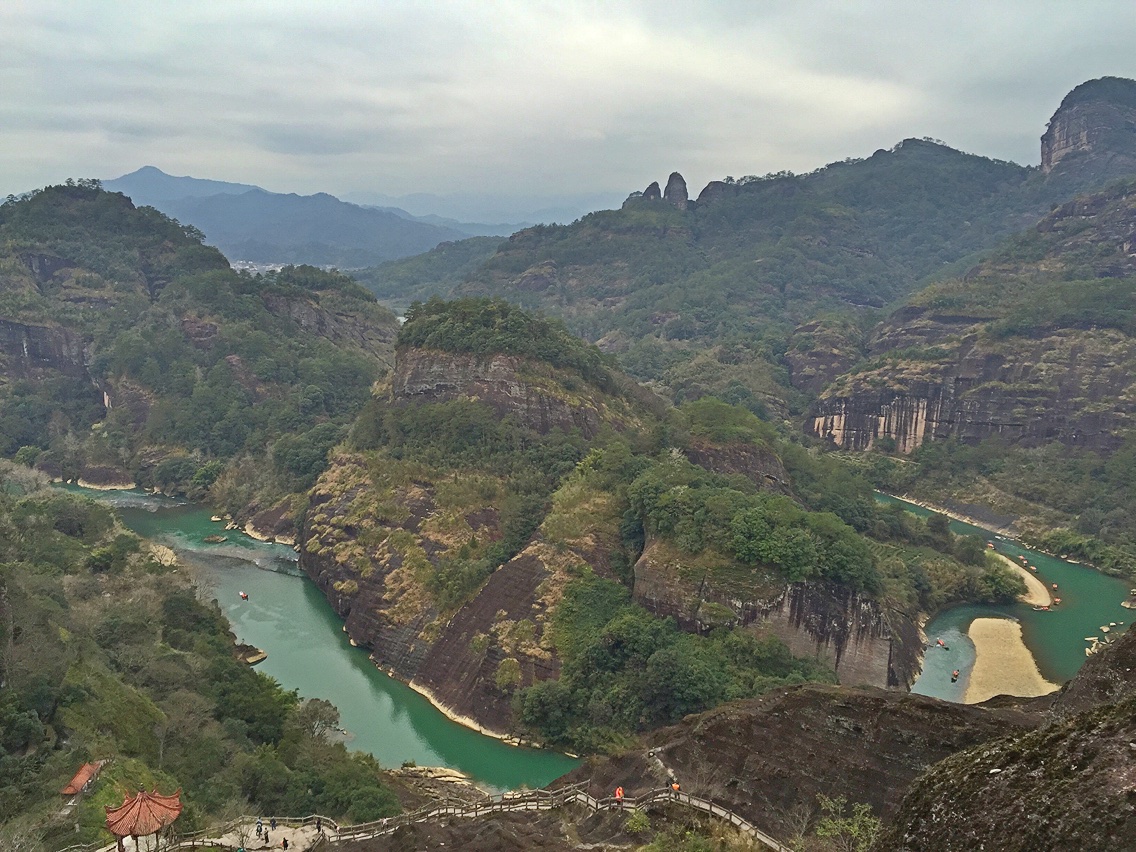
(1058, 638)
(288, 617)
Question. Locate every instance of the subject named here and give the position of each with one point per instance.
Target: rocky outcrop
(675, 194)
(758, 463)
(862, 642)
(717, 190)
(27, 349)
(372, 332)
(765, 757)
(1096, 121)
(1069, 386)
(819, 351)
(374, 549)
(506, 383)
(1067, 787)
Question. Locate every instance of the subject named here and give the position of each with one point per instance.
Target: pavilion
(142, 815)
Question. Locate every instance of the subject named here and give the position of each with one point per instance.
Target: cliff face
(373, 540)
(864, 644)
(28, 349)
(763, 757)
(385, 539)
(1033, 345)
(539, 397)
(372, 331)
(1096, 121)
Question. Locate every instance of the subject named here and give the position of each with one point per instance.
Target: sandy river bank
(1003, 665)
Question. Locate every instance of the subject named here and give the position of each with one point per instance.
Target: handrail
(527, 800)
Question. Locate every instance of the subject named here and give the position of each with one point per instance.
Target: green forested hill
(109, 655)
(131, 350)
(1024, 366)
(501, 505)
(706, 298)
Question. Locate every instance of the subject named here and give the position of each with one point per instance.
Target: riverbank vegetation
(109, 655)
(1069, 501)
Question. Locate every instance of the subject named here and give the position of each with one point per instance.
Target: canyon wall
(864, 644)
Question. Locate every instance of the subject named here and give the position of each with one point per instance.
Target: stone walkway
(299, 839)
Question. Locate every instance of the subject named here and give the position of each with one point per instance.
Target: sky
(526, 98)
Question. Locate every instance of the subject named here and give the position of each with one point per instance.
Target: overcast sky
(527, 97)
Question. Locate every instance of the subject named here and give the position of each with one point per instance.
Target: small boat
(244, 596)
(1041, 609)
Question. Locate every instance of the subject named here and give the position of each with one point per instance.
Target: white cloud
(528, 97)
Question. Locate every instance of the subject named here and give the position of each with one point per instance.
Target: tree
(316, 718)
(854, 833)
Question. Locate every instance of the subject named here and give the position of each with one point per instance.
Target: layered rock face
(1071, 785)
(864, 644)
(376, 533)
(1095, 120)
(1070, 385)
(370, 556)
(504, 382)
(28, 349)
(978, 358)
(766, 756)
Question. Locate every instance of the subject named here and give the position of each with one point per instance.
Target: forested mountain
(249, 223)
(109, 654)
(521, 532)
(704, 294)
(1010, 382)
(116, 316)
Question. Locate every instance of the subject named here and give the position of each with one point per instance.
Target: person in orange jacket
(619, 796)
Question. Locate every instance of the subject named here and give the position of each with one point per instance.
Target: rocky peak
(652, 193)
(675, 192)
(1098, 119)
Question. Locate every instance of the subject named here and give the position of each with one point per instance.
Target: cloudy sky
(525, 97)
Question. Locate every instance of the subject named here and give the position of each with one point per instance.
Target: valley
(610, 488)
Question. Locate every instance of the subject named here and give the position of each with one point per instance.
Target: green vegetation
(110, 655)
(705, 300)
(203, 367)
(493, 326)
(1073, 502)
(400, 283)
(626, 670)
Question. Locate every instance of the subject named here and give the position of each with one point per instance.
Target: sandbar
(1003, 665)
(1036, 593)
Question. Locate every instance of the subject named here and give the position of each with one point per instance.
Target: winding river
(1057, 638)
(288, 617)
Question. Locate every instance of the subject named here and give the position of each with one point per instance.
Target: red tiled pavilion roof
(144, 814)
(86, 772)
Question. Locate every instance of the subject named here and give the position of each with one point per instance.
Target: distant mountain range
(249, 223)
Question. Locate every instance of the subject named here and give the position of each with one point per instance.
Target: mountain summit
(1095, 127)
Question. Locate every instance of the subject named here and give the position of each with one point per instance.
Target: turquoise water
(1057, 639)
(288, 617)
